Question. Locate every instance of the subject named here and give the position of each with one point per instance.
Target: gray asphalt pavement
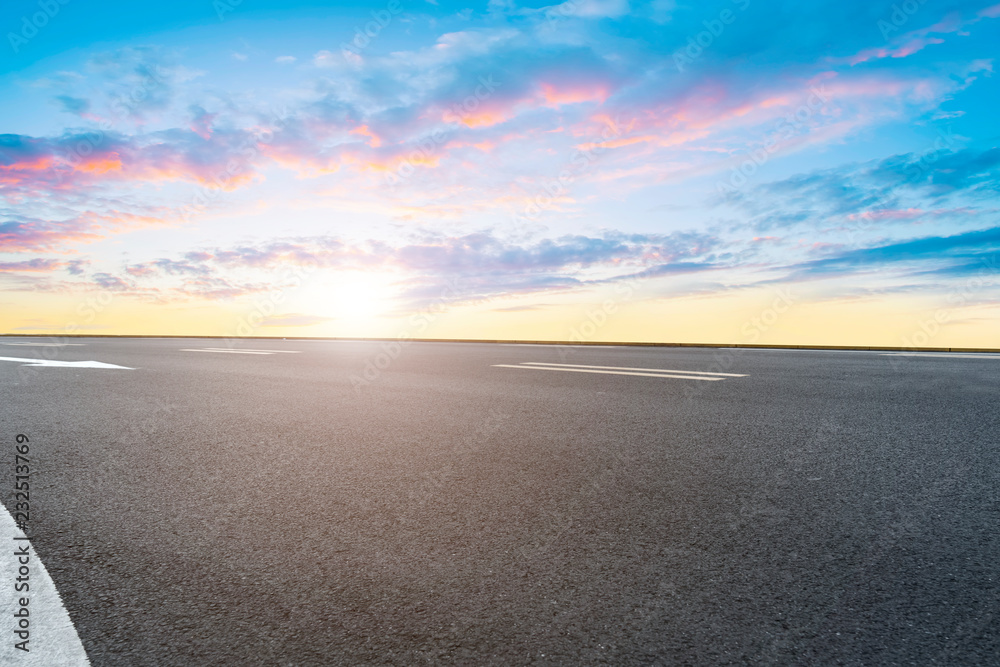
(311, 508)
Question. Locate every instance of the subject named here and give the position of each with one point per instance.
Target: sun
(359, 296)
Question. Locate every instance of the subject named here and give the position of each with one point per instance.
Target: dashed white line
(594, 370)
(650, 370)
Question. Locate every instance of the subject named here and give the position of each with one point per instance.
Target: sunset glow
(506, 167)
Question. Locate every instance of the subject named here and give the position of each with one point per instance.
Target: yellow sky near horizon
(779, 316)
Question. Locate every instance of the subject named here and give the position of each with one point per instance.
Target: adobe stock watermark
(724, 359)
(415, 325)
(88, 310)
(363, 36)
(426, 147)
(583, 159)
(247, 151)
(786, 128)
(223, 7)
(862, 222)
(293, 278)
(598, 317)
(152, 77)
(698, 42)
(767, 318)
(561, 11)
(460, 113)
(898, 17)
(31, 24)
(929, 327)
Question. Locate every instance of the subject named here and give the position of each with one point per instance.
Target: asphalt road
(212, 508)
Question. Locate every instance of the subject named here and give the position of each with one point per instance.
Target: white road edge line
(557, 345)
(621, 368)
(226, 351)
(589, 370)
(950, 355)
(52, 639)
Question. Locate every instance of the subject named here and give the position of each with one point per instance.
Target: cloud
(958, 254)
(193, 264)
(111, 283)
(73, 105)
(325, 58)
(486, 265)
(876, 189)
(138, 82)
(914, 41)
(965, 170)
(486, 254)
(37, 265)
(591, 9)
(30, 165)
(475, 253)
(220, 289)
(428, 110)
(75, 267)
(21, 234)
(201, 121)
(477, 122)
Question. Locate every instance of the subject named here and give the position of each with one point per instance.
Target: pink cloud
(373, 139)
(485, 117)
(911, 46)
(34, 164)
(888, 214)
(990, 12)
(41, 236)
(916, 40)
(37, 265)
(201, 124)
(555, 96)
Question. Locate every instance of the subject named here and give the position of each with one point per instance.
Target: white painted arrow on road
(65, 364)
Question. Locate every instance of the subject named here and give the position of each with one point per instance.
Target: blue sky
(333, 169)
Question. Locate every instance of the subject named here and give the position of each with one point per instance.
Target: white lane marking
(650, 370)
(52, 639)
(227, 351)
(64, 364)
(47, 344)
(950, 355)
(591, 370)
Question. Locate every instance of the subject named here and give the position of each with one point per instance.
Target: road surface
(333, 502)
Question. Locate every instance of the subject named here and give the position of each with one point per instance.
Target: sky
(738, 172)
